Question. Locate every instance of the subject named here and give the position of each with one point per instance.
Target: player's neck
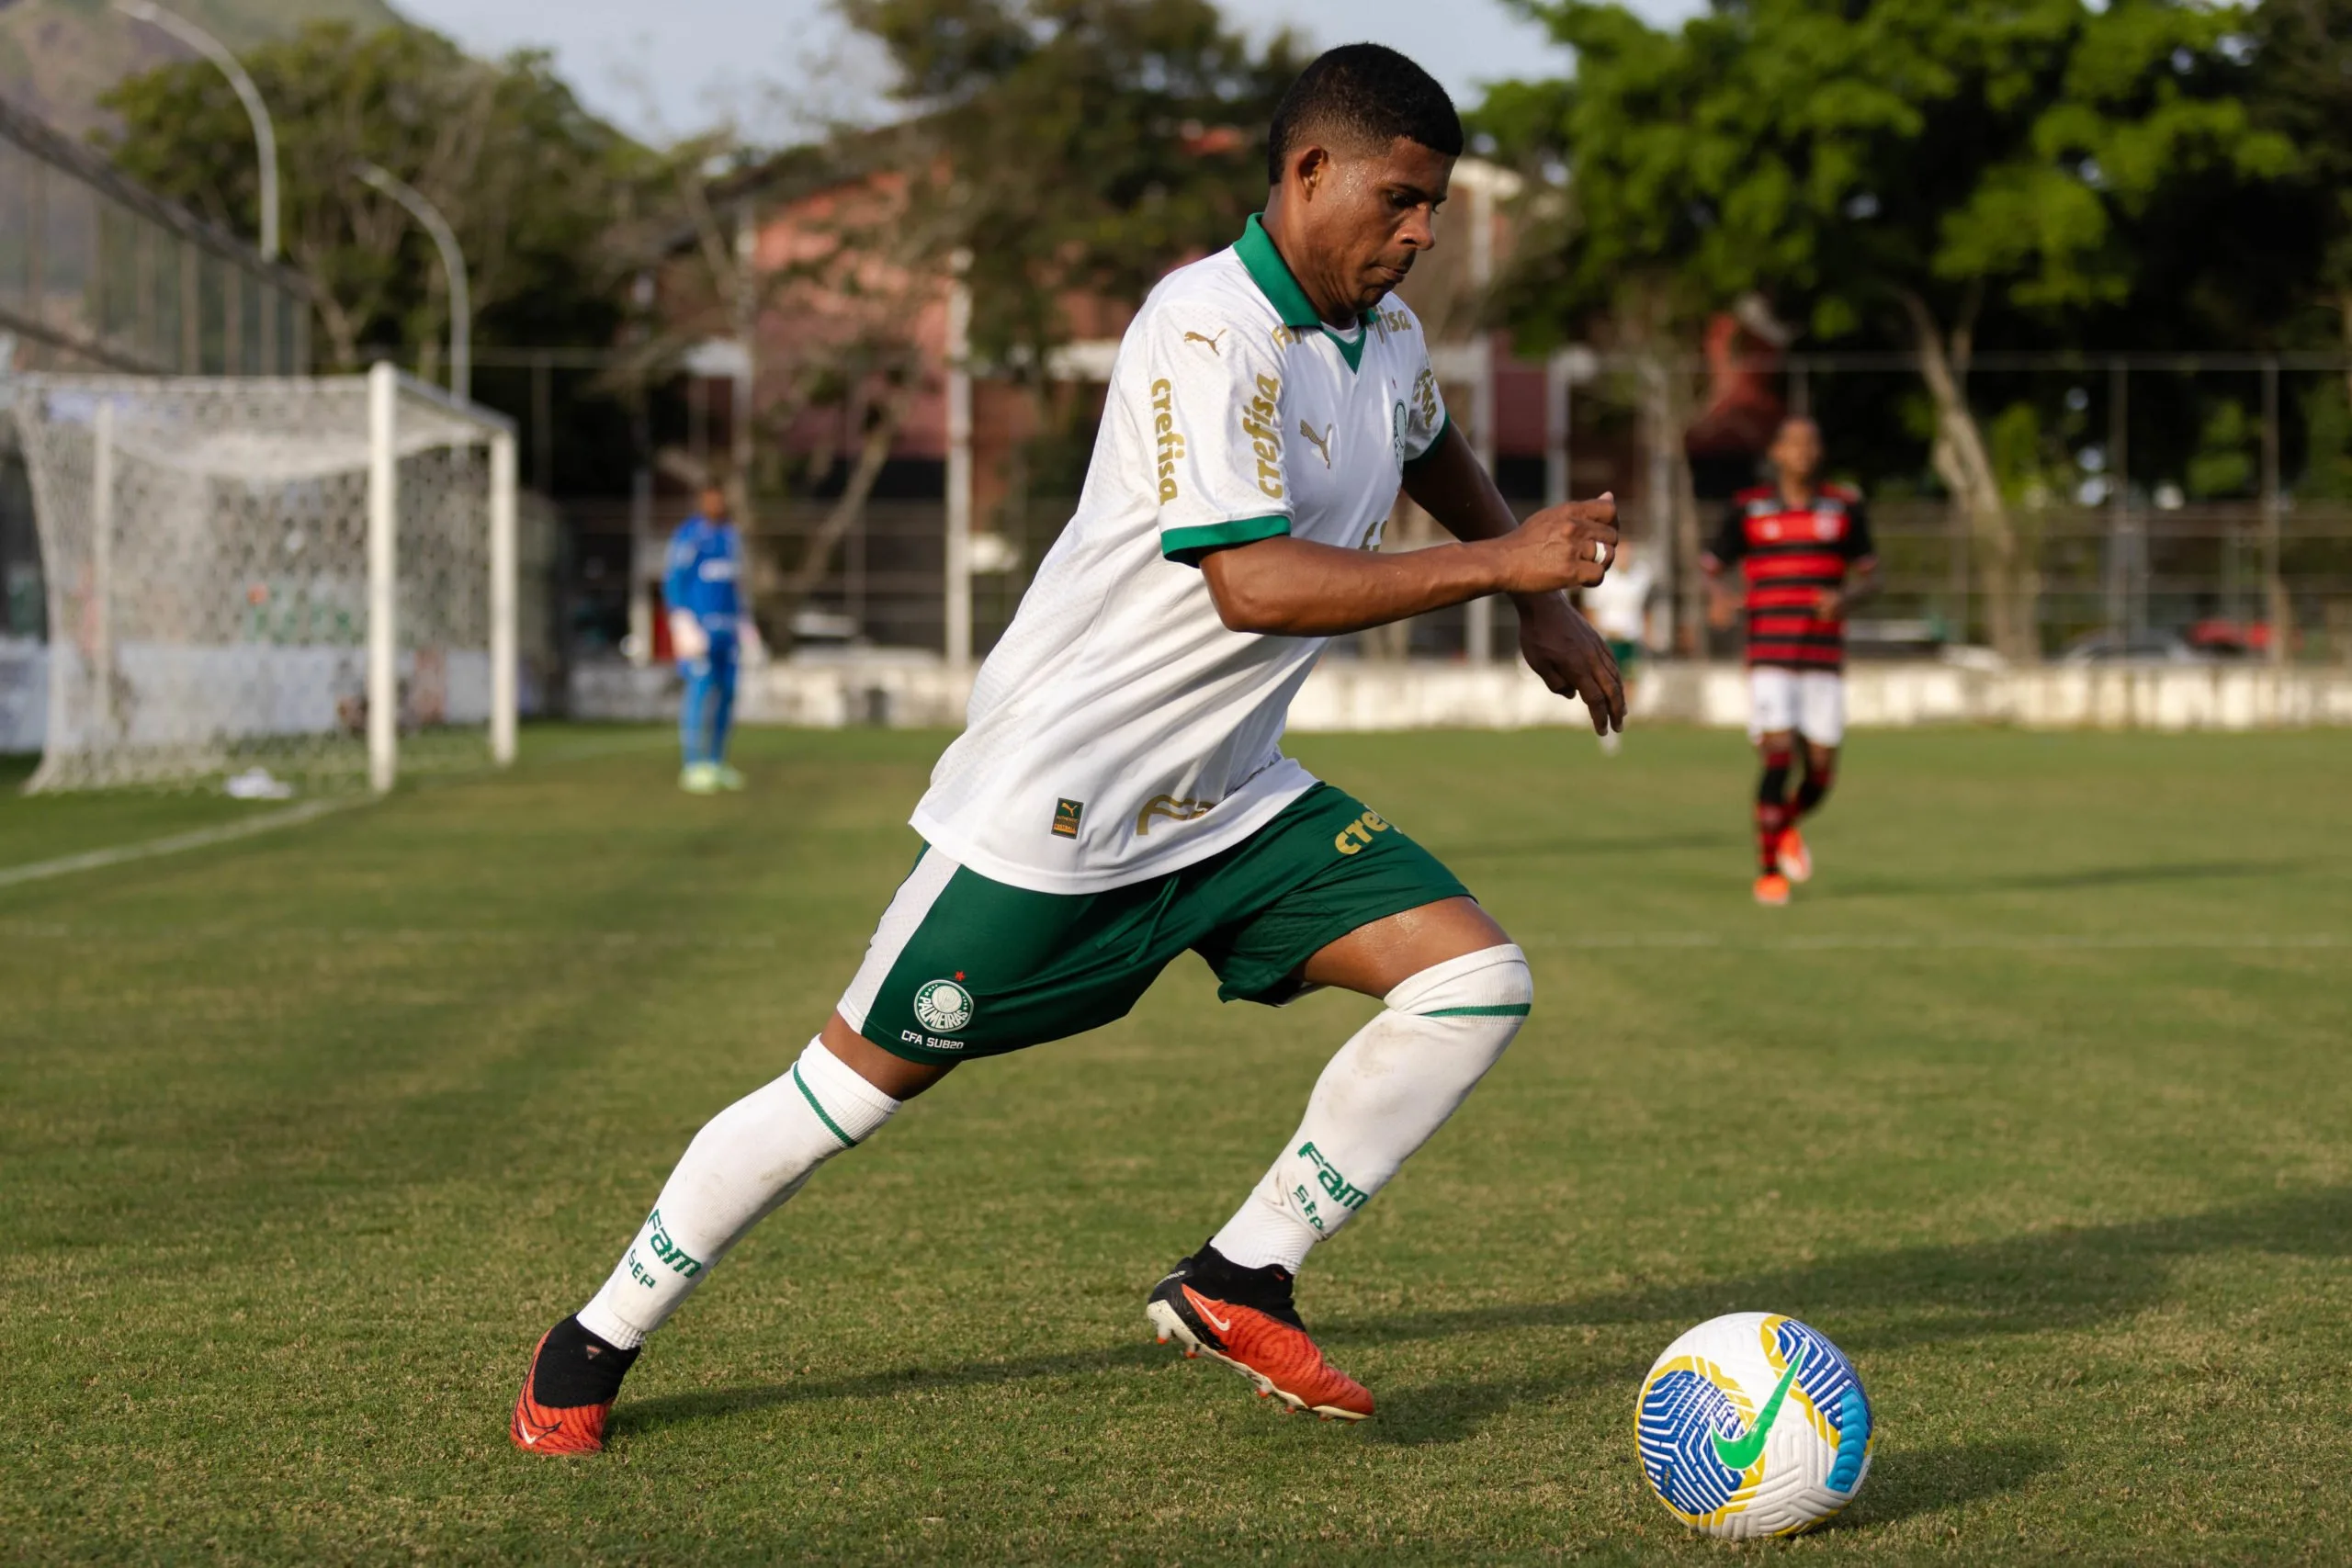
(1291, 247)
(1798, 494)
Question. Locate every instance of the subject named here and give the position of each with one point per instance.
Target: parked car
(2151, 646)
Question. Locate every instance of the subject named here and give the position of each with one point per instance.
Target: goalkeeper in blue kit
(698, 586)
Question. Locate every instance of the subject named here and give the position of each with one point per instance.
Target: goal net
(312, 576)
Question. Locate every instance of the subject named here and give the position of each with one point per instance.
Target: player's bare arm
(1299, 588)
(1557, 642)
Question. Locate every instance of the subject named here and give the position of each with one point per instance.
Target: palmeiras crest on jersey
(943, 1005)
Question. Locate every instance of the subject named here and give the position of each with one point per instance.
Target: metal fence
(2170, 507)
(2163, 505)
(98, 274)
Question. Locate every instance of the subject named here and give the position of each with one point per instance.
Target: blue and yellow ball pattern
(1754, 1424)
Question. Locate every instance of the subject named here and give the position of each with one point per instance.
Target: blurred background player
(699, 585)
(1804, 554)
(1619, 608)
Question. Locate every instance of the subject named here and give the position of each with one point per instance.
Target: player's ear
(1312, 165)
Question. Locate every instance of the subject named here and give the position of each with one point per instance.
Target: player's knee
(1493, 984)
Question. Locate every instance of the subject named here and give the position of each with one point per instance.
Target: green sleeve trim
(1500, 1009)
(1442, 426)
(831, 1125)
(1187, 545)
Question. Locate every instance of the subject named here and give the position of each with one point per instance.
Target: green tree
(531, 183)
(1093, 143)
(2302, 89)
(1912, 166)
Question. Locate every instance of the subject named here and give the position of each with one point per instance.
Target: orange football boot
(567, 1391)
(1772, 888)
(1796, 861)
(1244, 1318)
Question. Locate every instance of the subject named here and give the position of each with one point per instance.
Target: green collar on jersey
(1272, 275)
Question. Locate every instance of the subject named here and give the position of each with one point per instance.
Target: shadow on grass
(671, 1409)
(2072, 1277)
(1944, 1475)
(2063, 1279)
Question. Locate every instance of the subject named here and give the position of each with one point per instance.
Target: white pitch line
(172, 844)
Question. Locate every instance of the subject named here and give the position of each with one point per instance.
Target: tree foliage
(531, 183)
(1912, 169)
(1092, 142)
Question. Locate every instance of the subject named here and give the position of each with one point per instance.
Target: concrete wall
(913, 691)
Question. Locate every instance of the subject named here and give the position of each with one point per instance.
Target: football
(1754, 1425)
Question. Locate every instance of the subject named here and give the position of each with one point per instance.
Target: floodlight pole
(453, 265)
(959, 572)
(264, 134)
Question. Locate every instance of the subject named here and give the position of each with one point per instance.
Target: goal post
(312, 575)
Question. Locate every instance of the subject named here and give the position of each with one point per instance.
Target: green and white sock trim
(851, 1109)
(1490, 983)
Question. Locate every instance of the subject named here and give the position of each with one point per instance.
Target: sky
(780, 67)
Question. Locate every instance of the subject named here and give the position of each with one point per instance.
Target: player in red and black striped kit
(1803, 552)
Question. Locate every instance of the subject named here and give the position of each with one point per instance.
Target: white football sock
(1389, 1087)
(740, 1167)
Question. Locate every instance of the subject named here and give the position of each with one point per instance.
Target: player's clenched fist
(1570, 545)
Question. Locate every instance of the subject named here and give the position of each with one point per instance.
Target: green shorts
(963, 966)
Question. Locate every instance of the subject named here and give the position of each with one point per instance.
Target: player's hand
(1830, 605)
(1560, 645)
(688, 639)
(1570, 545)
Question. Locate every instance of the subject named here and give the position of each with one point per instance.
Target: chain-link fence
(2158, 507)
(2161, 507)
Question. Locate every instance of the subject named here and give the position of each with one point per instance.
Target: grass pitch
(2038, 1101)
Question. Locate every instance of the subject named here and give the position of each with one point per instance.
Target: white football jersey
(1119, 731)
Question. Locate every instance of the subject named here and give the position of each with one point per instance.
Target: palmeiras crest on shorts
(943, 1005)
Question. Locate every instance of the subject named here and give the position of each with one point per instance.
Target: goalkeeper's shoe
(1244, 1318)
(1795, 859)
(727, 777)
(699, 778)
(567, 1391)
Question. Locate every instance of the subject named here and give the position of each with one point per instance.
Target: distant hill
(58, 56)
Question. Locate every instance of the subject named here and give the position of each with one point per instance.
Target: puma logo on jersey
(1212, 342)
(1322, 442)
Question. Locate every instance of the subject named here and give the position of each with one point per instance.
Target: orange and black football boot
(567, 1391)
(1795, 859)
(1244, 1318)
(1772, 888)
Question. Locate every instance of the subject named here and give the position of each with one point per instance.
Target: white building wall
(916, 690)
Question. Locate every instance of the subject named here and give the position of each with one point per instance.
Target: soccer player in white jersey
(1120, 794)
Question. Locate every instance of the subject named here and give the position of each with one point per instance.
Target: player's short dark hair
(1369, 94)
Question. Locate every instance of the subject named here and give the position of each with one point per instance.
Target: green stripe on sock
(831, 1125)
(1500, 1009)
